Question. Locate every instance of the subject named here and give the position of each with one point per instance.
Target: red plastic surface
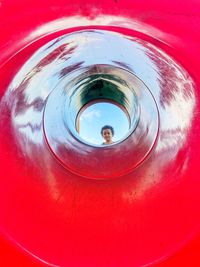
(52, 217)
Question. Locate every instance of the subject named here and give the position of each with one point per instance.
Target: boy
(107, 133)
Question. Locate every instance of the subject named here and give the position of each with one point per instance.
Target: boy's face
(107, 135)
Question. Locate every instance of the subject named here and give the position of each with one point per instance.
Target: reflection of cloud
(89, 115)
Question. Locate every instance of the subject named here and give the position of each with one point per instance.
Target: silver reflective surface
(67, 98)
(50, 89)
(99, 82)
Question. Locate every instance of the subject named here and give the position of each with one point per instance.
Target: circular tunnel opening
(103, 122)
(87, 88)
(100, 103)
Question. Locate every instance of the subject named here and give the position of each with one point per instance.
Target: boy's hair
(107, 127)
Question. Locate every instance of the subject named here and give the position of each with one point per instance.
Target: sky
(96, 116)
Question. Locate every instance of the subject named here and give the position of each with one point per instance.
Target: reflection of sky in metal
(96, 116)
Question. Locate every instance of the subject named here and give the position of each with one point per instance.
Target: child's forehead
(107, 129)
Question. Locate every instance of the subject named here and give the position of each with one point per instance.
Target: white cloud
(90, 115)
